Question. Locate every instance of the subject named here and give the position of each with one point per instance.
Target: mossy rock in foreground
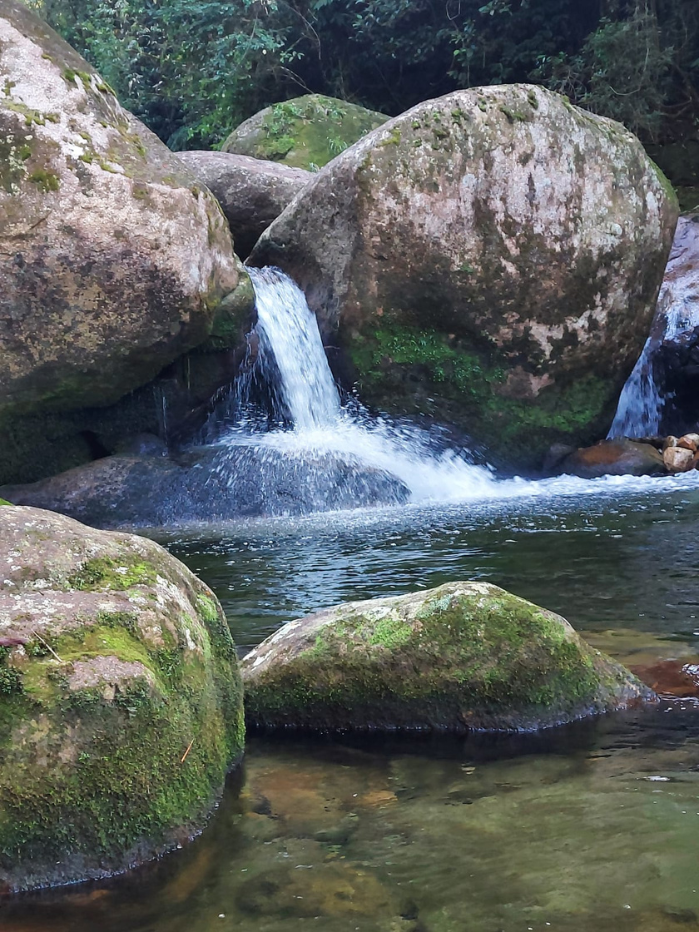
(463, 656)
(306, 132)
(120, 700)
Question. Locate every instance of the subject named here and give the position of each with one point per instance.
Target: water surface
(590, 827)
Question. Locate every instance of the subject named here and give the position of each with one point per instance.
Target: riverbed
(593, 826)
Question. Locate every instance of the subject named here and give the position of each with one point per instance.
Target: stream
(589, 827)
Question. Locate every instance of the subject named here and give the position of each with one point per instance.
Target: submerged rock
(252, 192)
(462, 656)
(621, 457)
(120, 700)
(209, 484)
(305, 132)
(491, 258)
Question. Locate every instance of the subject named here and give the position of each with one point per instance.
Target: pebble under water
(589, 827)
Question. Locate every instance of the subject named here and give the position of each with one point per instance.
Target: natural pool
(590, 827)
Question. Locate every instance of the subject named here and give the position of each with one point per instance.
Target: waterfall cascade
(286, 415)
(289, 339)
(644, 398)
(308, 418)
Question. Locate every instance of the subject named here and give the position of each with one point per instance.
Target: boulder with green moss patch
(463, 656)
(114, 259)
(120, 700)
(306, 132)
(491, 258)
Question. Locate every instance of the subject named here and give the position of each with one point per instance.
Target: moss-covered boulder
(251, 192)
(460, 657)
(114, 259)
(120, 700)
(306, 132)
(491, 258)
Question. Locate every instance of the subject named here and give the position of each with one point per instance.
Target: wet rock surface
(464, 656)
(647, 456)
(491, 258)
(660, 396)
(209, 484)
(252, 192)
(120, 700)
(621, 457)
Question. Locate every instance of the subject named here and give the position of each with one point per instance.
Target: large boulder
(209, 484)
(114, 259)
(251, 192)
(463, 656)
(305, 132)
(490, 258)
(120, 700)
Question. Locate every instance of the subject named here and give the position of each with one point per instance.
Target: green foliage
(193, 69)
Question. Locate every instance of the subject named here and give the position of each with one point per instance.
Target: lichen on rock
(460, 657)
(120, 700)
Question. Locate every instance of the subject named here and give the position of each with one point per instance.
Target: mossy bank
(120, 701)
(461, 657)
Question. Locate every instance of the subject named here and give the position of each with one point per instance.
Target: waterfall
(288, 338)
(642, 402)
(291, 363)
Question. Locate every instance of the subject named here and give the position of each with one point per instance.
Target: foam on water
(309, 418)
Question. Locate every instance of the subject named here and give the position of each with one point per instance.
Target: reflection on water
(590, 827)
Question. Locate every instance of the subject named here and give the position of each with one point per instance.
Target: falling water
(311, 429)
(288, 337)
(642, 402)
(291, 361)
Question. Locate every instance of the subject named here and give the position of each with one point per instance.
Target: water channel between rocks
(590, 827)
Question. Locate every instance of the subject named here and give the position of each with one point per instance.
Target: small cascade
(311, 428)
(640, 403)
(290, 342)
(643, 405)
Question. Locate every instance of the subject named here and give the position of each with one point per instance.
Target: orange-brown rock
(689, 442)
(620, 457)
(678, 459)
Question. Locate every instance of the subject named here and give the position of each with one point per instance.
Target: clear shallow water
(593, 827)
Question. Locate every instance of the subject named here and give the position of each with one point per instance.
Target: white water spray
(291, 351)
(292, 361)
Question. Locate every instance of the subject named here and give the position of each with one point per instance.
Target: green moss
(105, 573)
(46, 181)
(400, 366)
(128, 767)
(393, 138)
(306, 132)
(461, 660)
(668, 189)
(3, 502)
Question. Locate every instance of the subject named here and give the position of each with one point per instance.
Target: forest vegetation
(194, 69)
